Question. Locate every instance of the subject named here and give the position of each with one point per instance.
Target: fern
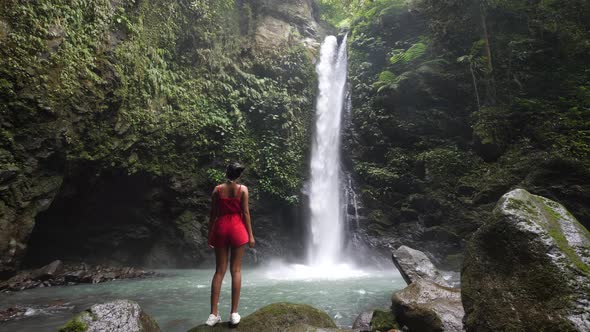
(414, 52)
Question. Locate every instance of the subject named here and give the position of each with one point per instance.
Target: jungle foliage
(457, 101)
(166, 88)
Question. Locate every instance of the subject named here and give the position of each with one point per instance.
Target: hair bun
(234, 170)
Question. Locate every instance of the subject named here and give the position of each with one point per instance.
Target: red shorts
(228, 231)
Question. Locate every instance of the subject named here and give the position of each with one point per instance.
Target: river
(179, 299)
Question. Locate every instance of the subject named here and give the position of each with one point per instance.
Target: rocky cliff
(456, 102)
(117, 118)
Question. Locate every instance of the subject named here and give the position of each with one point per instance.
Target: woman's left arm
(246, 216)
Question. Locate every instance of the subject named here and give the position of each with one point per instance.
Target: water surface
(179, 300)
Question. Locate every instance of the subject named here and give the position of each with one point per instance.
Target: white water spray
(325, 189)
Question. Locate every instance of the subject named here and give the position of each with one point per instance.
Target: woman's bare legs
(236, 276)
(220, 268)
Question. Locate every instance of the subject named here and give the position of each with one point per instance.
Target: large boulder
(414, 264)
(116, 316)
(528, 269)
(428, 307)
(278, 317)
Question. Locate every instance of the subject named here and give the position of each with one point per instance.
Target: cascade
(327, 215)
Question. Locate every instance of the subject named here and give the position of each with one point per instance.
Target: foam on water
(281, 271)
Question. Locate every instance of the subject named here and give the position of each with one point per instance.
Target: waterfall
(326, 218)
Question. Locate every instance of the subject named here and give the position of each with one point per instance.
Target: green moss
(73, 325)
(521, 205)
(278, 317)
(383, 321)
(555, 231)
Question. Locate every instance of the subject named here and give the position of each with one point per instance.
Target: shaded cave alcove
(112, 219)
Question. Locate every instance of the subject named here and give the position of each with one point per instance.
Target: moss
(520, 205)
(554, 230)
(74, 325)
(383, 321)
(278, 317)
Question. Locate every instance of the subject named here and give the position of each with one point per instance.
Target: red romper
(228, 229)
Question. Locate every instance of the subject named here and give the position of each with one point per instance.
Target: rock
(383, 321)
(116, 316)
(11, 313)
(414, 264)
(363, 321)
(56, 274)
(277, 317)
(48, 271)
(528, 269)
(426, 306)
(287, 22)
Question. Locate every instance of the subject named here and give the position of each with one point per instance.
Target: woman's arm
(246, 216)
(213, 213)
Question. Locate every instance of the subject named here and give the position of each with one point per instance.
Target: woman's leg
(236, 276)
(220, 268)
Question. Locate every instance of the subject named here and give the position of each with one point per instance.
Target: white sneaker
(234, 318)
(213, 319)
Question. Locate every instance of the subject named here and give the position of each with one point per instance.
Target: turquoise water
(179, 299)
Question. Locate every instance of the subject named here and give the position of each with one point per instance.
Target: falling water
(325, 190)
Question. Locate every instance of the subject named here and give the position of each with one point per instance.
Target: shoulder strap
(239, 190)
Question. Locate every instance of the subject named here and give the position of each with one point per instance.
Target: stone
(287, 22)
(414, 264)
(527, 269)
(426, 306)
(278, 317)
(363, 321)
(116, 316)
(48, 271)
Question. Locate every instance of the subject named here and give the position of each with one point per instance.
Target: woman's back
(229, 199)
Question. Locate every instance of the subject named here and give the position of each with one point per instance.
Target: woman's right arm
(213, 213)
(246, 216)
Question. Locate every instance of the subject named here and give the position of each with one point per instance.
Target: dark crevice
(113, 218)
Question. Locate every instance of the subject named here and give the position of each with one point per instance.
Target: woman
(229, 231)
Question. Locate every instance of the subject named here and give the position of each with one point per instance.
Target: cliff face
(117, 118)
(455, 103)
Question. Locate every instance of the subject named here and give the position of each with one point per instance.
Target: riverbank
(57, 273)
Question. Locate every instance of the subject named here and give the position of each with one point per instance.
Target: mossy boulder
(116, 316)
(428, 307)
(528, 269)
(278, 317)
(383, 321)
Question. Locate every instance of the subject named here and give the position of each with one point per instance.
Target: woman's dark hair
(234, 170)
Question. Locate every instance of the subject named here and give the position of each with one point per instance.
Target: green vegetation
(170, 89)
(461, 100)
(383, 321)
(555, 230)
(73, 325)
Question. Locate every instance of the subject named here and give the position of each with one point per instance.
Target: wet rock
(528, 269)
(116, 316)
(414, 264)
(57, 274)
(363, 321)
(49, 271)
(426, 306)
(12, 313)
(278, 317)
